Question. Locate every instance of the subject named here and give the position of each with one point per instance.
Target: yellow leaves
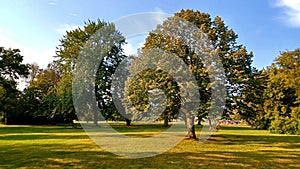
(2, 93)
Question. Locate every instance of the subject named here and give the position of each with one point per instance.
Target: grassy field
(230, 147)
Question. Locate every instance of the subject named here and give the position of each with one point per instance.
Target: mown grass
(230, 147)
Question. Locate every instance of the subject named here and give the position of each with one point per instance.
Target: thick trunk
(166, 121)
(128, 122)
(199, 121)
(191, 127)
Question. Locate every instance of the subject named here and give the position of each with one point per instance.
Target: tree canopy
(11, 69)
(234, 57)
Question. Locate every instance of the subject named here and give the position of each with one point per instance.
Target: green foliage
(252, 98)
(235, 59)
(72, 43)
(11, 69)
(149, 81)
(11, 66)
(271, 98)
(76, 43)
(283, 93)
(37, 96)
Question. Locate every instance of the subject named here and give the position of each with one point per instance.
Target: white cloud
(31, 55)
(291, 11)
(132, 46)
(128, 49)
(66, 27)
(52, 3)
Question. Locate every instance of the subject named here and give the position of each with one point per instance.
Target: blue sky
(265, 27)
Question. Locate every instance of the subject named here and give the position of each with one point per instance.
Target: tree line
(265, 99)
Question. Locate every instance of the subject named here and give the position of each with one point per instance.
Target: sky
(265, 27)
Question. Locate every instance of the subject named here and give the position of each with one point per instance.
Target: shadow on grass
(222, 150)
(41, 136)
(258, 139)
(37, 129)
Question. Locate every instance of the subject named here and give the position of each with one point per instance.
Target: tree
(11, 66)
(36, 96)
(251, 102)
(75, 43)
(283, 94)
(11, 69)
(234, 57)
(270, 99)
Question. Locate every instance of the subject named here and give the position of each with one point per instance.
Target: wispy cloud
(66, 27)
(73, 14)
(291, 11)
(52, 3)
(31, 55)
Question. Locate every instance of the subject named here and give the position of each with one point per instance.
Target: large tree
(72, 45)
(234, 57)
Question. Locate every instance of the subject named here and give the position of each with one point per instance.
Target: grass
(230, 147)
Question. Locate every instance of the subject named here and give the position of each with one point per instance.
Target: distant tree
(282, 104)
(11, 66)
(36, 96)
(251, 103)
(34, 70)
(11, 69)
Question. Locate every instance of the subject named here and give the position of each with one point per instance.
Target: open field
(230, 147)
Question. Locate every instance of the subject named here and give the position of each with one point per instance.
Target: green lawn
(230, 147)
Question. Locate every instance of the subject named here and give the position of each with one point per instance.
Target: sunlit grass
(230, 147)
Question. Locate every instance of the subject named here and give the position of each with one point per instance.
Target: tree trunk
(191, 127)
(5, 118)
(128, 122)
(199, 121)
(166, 121)
(96, 118)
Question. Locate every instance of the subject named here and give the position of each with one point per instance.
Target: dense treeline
(272, 99)
(265, 99)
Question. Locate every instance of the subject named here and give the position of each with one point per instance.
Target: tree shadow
(78, 151)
